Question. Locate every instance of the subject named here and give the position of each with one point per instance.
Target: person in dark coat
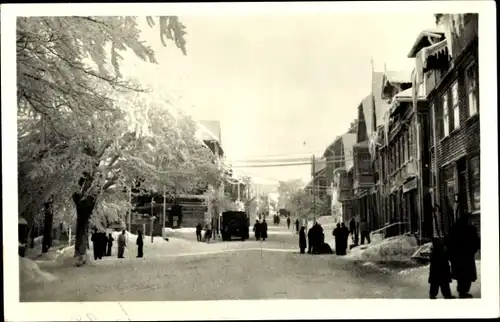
(297, 226)
(463, 243)
(288, 222)
(344, 238)
(96, 243)
(302, 240)
(439, 270)
(352, 229)
(365, 232)
(198, 232)
(319, 240)
(110, 244)
(263, 229)
(104, 243)
(256, 229)
(337, 234)
(140, 244)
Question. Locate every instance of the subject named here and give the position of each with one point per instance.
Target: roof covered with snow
(381, 106)
(368, 109)
(348, 141)
(397, 77)
(422, 39)
(320, 164)
(211, 130)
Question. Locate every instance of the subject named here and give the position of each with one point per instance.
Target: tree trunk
(84, 208)
(47, 227)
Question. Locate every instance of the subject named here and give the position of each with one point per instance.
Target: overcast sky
(277, 81)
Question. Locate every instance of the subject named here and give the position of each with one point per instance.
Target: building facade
(452, 64)
(339, 158)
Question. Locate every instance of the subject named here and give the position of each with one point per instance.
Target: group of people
(208, 232)
(103, 244)
(276, 220)
(454, 259)
(341, 234)
(315, 240)
(260, 229)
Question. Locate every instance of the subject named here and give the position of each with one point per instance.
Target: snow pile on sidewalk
(168, 232)
(394, 249)
(420, 276)
(30, 272)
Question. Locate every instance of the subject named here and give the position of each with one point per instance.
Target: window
(431, 126)
(475, 180)
(449, 180)
(455, 106)
(408, 145)
(403, 138)
(446, 118)
(472, 95)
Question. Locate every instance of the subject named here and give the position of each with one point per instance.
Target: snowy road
(183, 269)
(248, 274)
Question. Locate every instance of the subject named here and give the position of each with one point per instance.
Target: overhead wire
(290, 163)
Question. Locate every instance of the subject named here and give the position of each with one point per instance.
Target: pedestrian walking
(122, 243)
(302, 240)
(257, 229)
(263, 230)
(140, 244)
(439, 270)
(288, 222)
(103, 241)
(297, 225)
(365, 232)
(337, 234)
(208, 232)
(198, 232)
(344, 237)
(96, 243)
(463, 244)
(110, 244)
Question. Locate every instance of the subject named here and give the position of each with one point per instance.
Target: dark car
(235, 224)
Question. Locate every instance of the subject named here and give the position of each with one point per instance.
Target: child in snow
(439, 270)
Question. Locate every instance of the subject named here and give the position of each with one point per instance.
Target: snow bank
(419, 276)
(172, 232)
(423, 252)
(394, 249)
(30, 272)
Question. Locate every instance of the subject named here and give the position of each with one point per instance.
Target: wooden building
(447, 71)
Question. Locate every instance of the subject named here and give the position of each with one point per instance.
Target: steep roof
(398, 77)
(368, 108)
(348, 141)
(329, 148)
(381, 106)
(422, 39)
(320, 164)
(210, 130)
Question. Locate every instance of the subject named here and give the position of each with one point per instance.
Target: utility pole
(314, 185)
(163, 215)
(129, 217)
(152, 217)
(238, 190)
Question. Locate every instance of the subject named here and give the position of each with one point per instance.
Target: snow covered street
(183, 269)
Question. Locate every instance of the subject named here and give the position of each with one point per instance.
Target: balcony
(406, 171)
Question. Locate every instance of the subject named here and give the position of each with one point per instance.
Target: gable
(361, 133)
